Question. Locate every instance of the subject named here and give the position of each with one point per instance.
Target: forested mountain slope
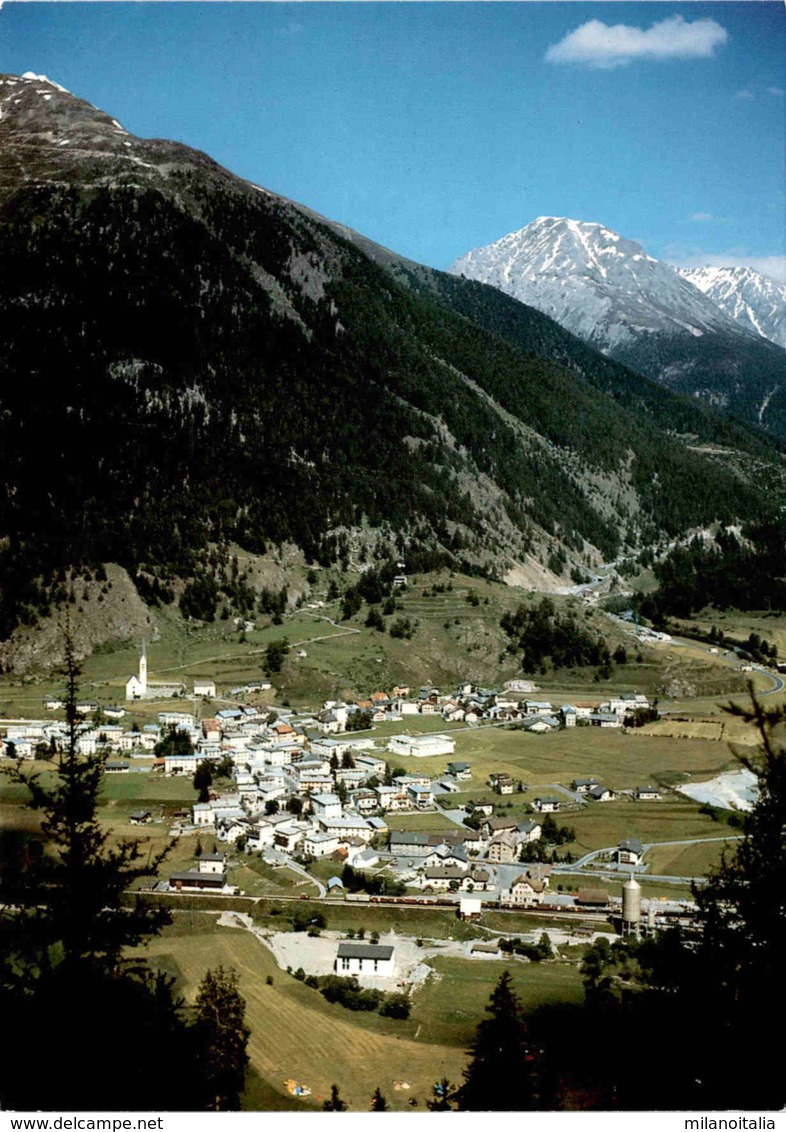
(187, 358)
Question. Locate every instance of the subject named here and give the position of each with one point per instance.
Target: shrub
(395, 1006)
(349, 993)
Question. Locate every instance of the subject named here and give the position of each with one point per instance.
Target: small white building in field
(204, 686)
(212, 863)
(421, 746)
(365, 959)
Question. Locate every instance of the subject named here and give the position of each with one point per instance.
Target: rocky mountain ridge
(753, 300)
(642, 312)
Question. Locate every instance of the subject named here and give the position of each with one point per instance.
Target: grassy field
(428, 823)
(296, 1034)
(686, 860)
(619, 759)
(606, 823)
(450, 1004)
(427, 923)
(453, 640)
(612, 883)
(739, 624)
(255, 878)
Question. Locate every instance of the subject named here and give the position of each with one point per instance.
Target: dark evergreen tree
(221, 1037)
(378, 1102)
(335, 1104)
(727, 972)
(66, 927)
(203, 780)
(500, 1076)
(739, 963)
(443, 1098)
(175, 742)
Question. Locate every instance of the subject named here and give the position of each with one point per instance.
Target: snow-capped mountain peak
(755, 301)
(596, 283)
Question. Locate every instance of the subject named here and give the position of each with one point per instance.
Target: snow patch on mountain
(31, 76)
(750, 298)
(596, 283)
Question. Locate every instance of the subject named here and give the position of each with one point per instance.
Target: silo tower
(631, 907)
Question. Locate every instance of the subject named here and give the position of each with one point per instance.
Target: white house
(288, 837)
(569, 715)
(326, 806)
(211, 863)
(538, 707)
(420, 796)
(601, 794)
(469, 907)
(365, 959)
(182, 720)
(604, 719)
(202, 813)
(547, 805)
(528, 831)
(391, 798)
(348, 826)
(630, 851)
(260, 837)
(181, 764)
(204, 686)
(319, 844)
(460, 771)
(527, 889)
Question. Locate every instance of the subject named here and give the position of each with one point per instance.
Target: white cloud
(773, 266)
(701, 217)
(602, 46)
(290, 30)
(745, 95)
(777, 91)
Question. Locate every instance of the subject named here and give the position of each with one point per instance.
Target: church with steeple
(140, 688)
(136, 686)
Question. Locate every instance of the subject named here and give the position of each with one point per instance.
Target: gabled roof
(527, 826)
(403, 837)
(497, 824)
(364, 951)
(592, 896)
(530, 882)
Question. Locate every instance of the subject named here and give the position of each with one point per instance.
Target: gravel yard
(317, 954)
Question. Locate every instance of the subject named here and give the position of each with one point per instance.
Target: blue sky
(435, 128)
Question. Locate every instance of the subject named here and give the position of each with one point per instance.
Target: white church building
(140, 688)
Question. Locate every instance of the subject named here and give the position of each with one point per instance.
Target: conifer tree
(444, 1095)
(64, 964)
(500, 1076)
(740, 959)
(222, 1037)
(378, 1102)
(726, 972)
(335, 1104)
(85, 874)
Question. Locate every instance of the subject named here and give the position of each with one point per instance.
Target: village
(299, 788)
